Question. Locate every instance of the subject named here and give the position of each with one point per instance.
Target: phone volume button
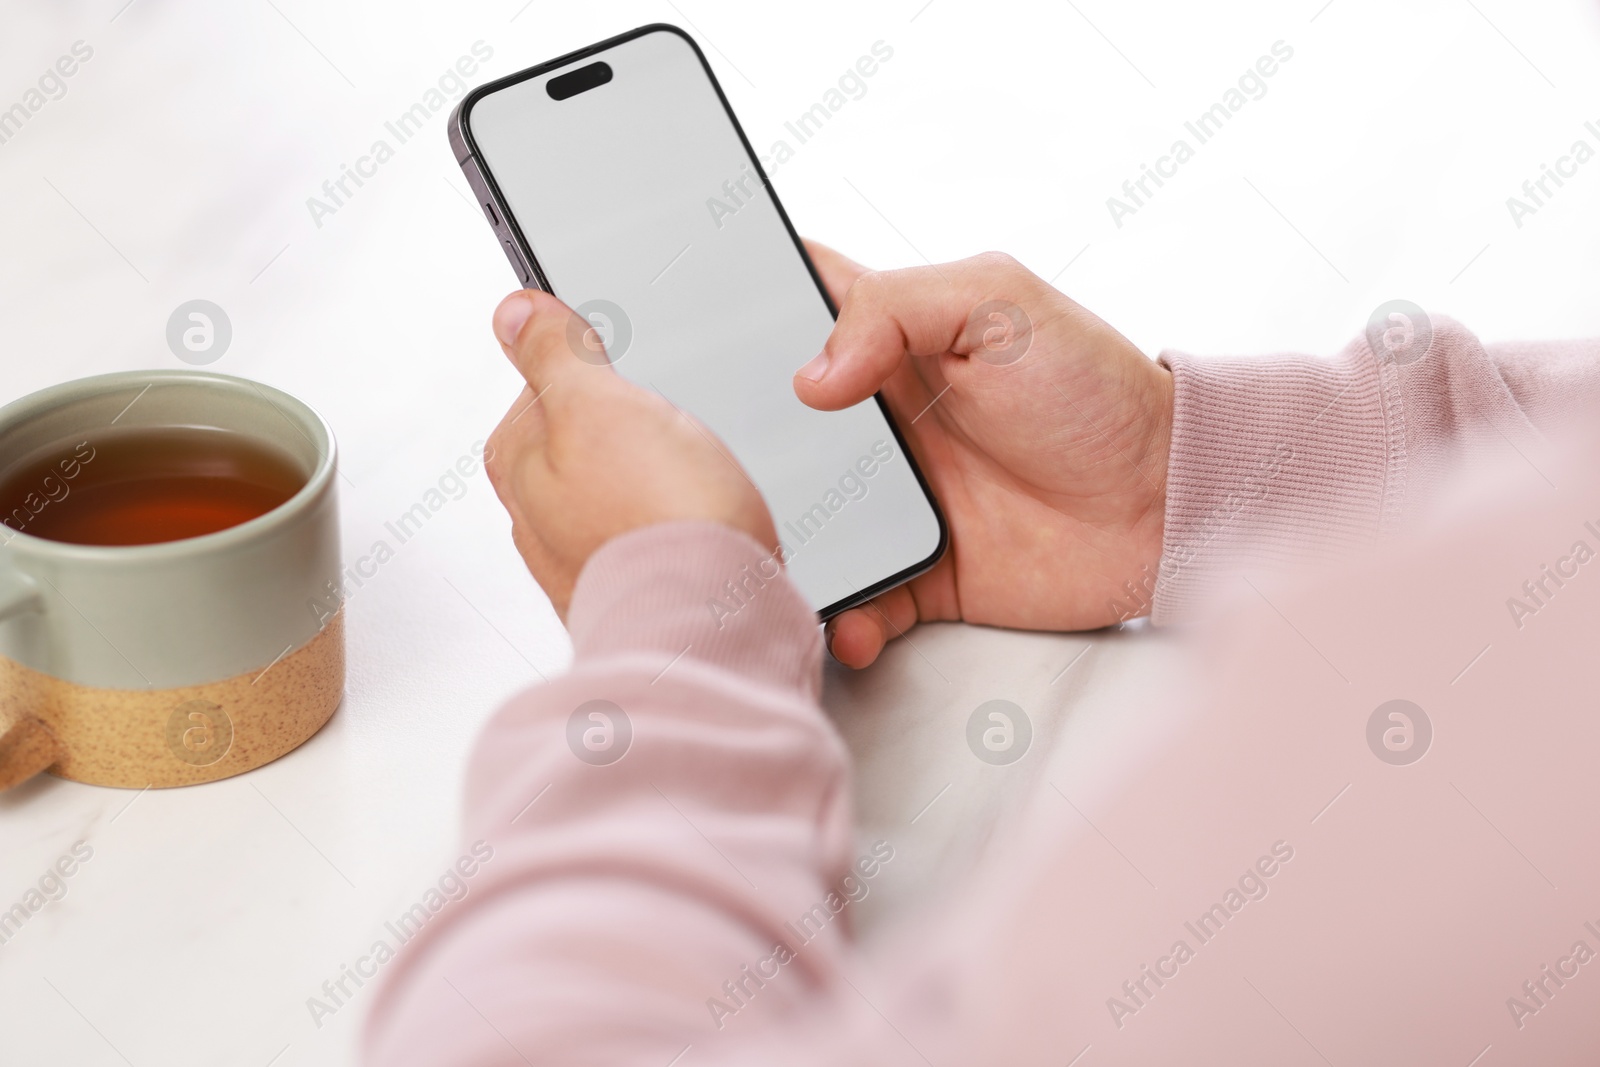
(494, 220)
(516, 261)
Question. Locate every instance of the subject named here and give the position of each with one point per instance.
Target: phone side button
(494, 220)
(516, 261)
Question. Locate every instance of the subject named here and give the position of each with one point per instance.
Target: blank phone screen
(645, 213)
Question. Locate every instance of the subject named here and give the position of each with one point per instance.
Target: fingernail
(510, 315)
(813, 371)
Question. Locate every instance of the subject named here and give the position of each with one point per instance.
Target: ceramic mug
(182, 661)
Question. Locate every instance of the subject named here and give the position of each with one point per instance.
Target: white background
(178, 166)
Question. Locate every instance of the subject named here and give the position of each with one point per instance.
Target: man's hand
(584, 456)
(1043, 431)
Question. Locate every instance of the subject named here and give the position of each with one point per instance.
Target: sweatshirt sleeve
(1294, 459)
(665, 824)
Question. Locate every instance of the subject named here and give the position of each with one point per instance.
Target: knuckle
(868, 297)
(997, 262)
(869, 288)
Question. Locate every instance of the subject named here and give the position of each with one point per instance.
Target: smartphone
(618, 179)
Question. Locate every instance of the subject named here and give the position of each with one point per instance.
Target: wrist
(1273, 461)
(1153, 463)
(696, 590)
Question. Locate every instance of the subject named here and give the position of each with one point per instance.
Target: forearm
(622, 896)
(1291, 459)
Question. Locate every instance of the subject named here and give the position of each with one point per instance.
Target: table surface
(178, 164)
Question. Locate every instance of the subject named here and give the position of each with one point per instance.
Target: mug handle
(26, 744)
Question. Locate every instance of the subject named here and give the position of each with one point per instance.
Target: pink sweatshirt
(689, 903)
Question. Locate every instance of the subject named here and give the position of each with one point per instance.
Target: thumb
(837, 271)
(550, 345)
(885, 317)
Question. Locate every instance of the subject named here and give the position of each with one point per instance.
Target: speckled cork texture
(196, 733)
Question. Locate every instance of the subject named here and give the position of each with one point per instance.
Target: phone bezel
(468, 156)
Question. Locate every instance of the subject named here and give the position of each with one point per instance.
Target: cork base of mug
(198, 733)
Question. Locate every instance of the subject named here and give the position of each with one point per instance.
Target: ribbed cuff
(702, 591)
(1274, 461)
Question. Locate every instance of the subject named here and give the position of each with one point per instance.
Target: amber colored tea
(142, 485)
